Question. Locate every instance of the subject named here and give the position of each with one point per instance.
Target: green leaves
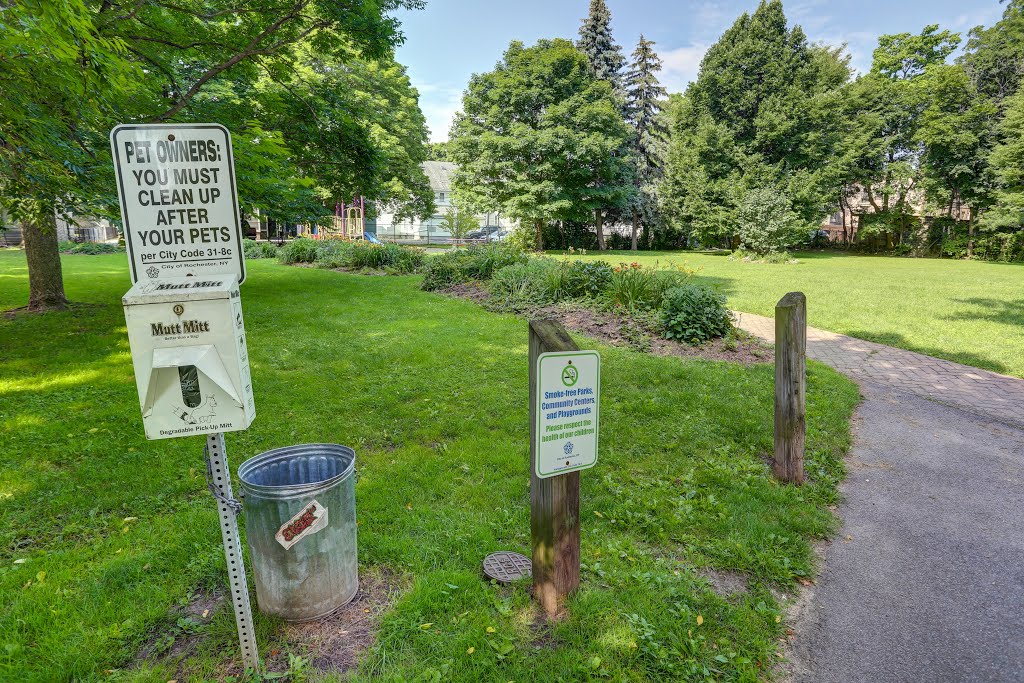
(762, 113)
(540, 137)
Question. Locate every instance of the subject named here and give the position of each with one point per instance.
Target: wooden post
(790, 386)
(554, 501)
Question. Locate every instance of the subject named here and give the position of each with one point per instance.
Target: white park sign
(568, 408)
(179, 204)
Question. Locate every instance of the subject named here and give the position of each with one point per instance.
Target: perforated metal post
(220, 479)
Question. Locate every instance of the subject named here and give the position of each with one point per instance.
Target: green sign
(568, 410)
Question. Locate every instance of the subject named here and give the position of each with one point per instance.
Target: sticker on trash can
(310, 520)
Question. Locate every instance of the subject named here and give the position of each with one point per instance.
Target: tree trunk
(538, 225)
(45, 276)
(970, 234)
(636, 227)
(599, 223)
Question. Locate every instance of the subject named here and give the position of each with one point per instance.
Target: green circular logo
(570, 375)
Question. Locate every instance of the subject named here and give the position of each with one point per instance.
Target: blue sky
(450, 40)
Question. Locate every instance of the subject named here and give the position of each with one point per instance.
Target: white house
(439, 174)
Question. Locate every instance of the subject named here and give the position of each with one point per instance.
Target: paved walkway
(925, 581)
(979, 391)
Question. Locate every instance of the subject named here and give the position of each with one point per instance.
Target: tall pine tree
(644, 100)
(597, 44)
(606, 62)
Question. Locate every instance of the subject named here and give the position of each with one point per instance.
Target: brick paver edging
(979, 391)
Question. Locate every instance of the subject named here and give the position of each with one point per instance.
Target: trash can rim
(267, 457)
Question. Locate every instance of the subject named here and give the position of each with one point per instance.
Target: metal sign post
(179, 206)
(219, 478)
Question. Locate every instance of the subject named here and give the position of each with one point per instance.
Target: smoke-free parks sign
(568, 407)
(178, 200)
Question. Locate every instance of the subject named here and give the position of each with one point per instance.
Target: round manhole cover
(506, 567)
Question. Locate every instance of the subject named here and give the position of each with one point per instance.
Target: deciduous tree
(763, 113)
(76, 68)
(1007, 162)
(540, 138)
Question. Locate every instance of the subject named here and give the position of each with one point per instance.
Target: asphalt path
(925, 582)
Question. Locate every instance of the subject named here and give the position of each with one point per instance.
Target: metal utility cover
(567, 412)
(507, 567)
(179, 204)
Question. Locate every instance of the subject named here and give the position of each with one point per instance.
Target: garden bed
(619, 329)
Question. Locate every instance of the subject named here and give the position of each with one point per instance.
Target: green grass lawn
(971, 312)
(103, 534)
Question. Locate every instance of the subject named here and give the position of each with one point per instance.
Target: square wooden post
(790, 387)
(554, 501)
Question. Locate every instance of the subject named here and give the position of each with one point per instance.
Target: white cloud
(681, 66)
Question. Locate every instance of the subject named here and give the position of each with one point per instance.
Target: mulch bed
(336, 643)
(617, 329)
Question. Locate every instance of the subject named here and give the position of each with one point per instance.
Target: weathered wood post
(790, 386)
(554, 501)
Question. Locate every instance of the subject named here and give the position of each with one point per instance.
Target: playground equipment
(348, 223)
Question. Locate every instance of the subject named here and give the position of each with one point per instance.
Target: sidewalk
(925, 580)
(979, 391)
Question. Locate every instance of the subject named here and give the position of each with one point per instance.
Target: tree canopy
(761, 114)
(317, 106)
(540, 138)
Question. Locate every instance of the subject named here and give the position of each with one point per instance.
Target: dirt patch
(178, 640)
(725, 582)
(474, 291)
(336, 643)
(621, 330)
(542, 636)
(796, 604)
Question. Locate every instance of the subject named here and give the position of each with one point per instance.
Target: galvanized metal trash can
(300, 521)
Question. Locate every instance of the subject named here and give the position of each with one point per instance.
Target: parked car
(498, 236)
(483, 233)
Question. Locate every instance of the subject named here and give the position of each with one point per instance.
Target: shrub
(587, 278)
(445, 270)
(484, 260)
(391, 257)
(522, 285)
(339, 253)
(333, 253)
(619, 242)
(694, 314)
(475, 263)
(258, 250)
(632, 287)
(523, 238)
(774, 257)
(767, 223)
(636, 288)
(299, 250)
(89, 248)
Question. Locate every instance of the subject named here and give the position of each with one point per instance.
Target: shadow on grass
(995, 310)
(722, 285)
(899, 341)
